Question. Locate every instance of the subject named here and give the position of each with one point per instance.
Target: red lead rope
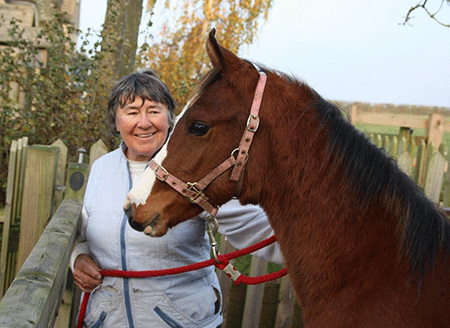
(223, 265)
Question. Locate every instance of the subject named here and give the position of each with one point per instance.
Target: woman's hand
(86, 273)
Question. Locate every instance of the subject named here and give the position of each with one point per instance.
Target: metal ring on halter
(212, 225)
(237, 151)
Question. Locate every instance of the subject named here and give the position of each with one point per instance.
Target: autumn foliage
(177, 50)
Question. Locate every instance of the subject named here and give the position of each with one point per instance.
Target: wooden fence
(424, 158)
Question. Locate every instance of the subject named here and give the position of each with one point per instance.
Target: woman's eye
(198, 128)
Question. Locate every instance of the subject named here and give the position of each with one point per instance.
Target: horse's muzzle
(129, 213)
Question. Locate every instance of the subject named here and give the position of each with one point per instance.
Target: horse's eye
(198, 128)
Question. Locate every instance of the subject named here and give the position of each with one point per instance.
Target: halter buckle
(198, 193)
(164, 175)
(250, 119)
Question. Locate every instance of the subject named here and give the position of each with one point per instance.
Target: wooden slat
(11, 236)
(22, 146)
(97, 150)
(34, 296)
(410, 121)
(404, 157)
(435, 129)
(254, 296)
(40, 175)
(8, 215)
(60, 173)
(225, 282)
(434, 176)
(285, 311)
(421, 163)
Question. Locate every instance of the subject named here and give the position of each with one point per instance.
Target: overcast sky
(350, 50)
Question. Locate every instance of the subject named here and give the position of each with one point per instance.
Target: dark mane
(373, 174)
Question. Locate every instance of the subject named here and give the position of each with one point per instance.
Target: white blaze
(140, 192)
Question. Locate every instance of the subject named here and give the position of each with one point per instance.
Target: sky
(347, 50)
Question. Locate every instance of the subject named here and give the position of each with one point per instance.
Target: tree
(178, 54)
(64, 93)
(425, 5)
(119, 36)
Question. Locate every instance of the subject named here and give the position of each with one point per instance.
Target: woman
(141, 110)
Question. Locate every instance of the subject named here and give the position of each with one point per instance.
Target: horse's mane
(372, 174)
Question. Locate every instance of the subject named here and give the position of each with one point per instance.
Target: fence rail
(34, 297)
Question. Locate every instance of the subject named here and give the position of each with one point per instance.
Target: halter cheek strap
(252, 127)
(193, 191)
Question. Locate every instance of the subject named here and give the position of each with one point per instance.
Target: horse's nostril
(134, 225)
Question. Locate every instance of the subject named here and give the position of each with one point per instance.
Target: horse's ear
(221, 57)
(213, 50)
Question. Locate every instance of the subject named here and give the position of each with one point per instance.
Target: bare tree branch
(422, 5)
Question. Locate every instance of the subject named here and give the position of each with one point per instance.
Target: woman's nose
(144, 121)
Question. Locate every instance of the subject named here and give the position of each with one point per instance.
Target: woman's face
(143, 127)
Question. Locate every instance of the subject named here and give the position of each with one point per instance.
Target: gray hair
(145, 84)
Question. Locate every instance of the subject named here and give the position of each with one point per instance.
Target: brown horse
(363, 246)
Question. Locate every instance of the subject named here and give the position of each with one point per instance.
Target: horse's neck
(311, 207)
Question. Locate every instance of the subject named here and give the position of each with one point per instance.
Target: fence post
(353, 114)
(435, 129)
(77, 174)
(97, 150)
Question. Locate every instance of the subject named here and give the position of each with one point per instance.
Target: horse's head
(209, 129)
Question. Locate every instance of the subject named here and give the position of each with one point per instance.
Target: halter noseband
(193, 191)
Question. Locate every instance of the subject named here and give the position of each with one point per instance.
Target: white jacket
(191, 299)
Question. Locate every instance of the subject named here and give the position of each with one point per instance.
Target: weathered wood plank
(33, 298)
(435, 129)
(224, 281)
(60, 173)
(411, 121)
(11, 236)
(77, 174)
(435, 174)
(285, 311)
(8, 215)
(97, 150)
(254, 296)
(40, 175)
(404, 158)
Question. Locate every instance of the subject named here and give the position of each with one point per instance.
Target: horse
(362, 244)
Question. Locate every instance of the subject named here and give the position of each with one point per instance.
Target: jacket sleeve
(247, 225)
(81, 244)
